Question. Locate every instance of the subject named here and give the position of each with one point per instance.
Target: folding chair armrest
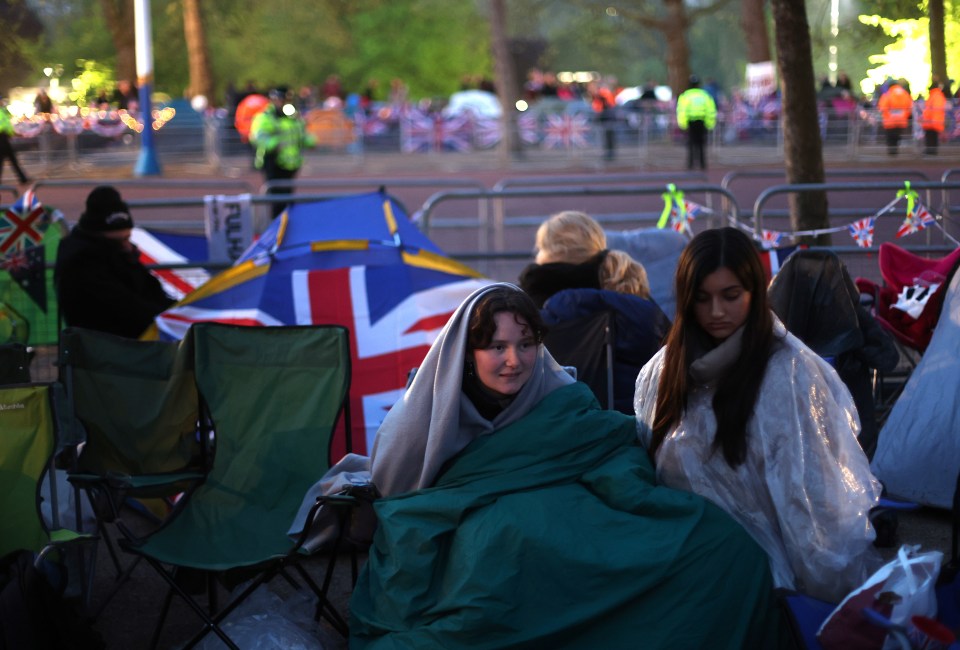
(146, 485)
(343, 504)
(120, 481)
(63, 538)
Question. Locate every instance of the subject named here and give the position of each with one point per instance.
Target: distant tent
(355, 261)
(659, 251)
(918, 452)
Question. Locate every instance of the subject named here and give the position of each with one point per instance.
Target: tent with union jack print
(355, 261)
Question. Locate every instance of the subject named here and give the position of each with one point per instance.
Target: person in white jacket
(740, 411)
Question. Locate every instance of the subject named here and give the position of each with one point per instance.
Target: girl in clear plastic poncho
(740, 411)
(519, 514)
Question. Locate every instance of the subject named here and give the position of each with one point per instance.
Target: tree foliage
(283, 42)
(22, 31)
(433, 44)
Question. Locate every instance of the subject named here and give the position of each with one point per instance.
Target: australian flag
(22, 255)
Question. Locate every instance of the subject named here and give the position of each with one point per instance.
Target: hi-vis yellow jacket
(696, 104)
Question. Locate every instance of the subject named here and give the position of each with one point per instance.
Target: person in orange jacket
(895, 107)
(933, 118)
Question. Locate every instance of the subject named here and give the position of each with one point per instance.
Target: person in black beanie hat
(100, 281)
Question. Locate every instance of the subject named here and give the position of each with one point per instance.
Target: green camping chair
(273, 396)
(133, 406)
(27, 444)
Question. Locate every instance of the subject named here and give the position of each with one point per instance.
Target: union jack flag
(770, 239)
(566, 131)
(355, 261)
(773, 259)
(486, 132)
(529, 128)
(420, 132)
(862, 232)
(369, 126)
(168, 248)
(916, 220)
(389, 335)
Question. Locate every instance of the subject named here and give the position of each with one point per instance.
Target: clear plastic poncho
(805, 489)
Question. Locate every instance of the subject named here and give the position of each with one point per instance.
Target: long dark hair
(737, 391)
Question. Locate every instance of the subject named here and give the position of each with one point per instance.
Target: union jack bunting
(923, 215)
(862, 232)
(681, 222)
(770, 239)
(916, 220)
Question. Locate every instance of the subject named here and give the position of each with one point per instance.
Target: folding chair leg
(354, 567)
(118, 583)
(214, 622)
(325, 608)
(209, 623)
(167, 600)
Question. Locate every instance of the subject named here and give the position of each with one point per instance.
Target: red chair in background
(901, 270)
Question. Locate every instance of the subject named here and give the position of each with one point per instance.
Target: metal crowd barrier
(501, 222)
(150, 183)
(926, 188)
(596, 179)
(907, 174)
(12, 189)
(947, 206)
(396, 187)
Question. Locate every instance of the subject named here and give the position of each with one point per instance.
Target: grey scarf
(435, 420)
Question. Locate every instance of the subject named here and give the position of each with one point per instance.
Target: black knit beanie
(105, 211)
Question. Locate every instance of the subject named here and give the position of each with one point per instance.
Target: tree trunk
(803, 150)
(938, 50)
(506, 79)
(674, 29)
(754, 25)
(198, 54)
(119, 17)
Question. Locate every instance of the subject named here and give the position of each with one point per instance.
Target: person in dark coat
(639, 327)
(100, 281)
(571, 252)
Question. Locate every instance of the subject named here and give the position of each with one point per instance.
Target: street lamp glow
(834, 32)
